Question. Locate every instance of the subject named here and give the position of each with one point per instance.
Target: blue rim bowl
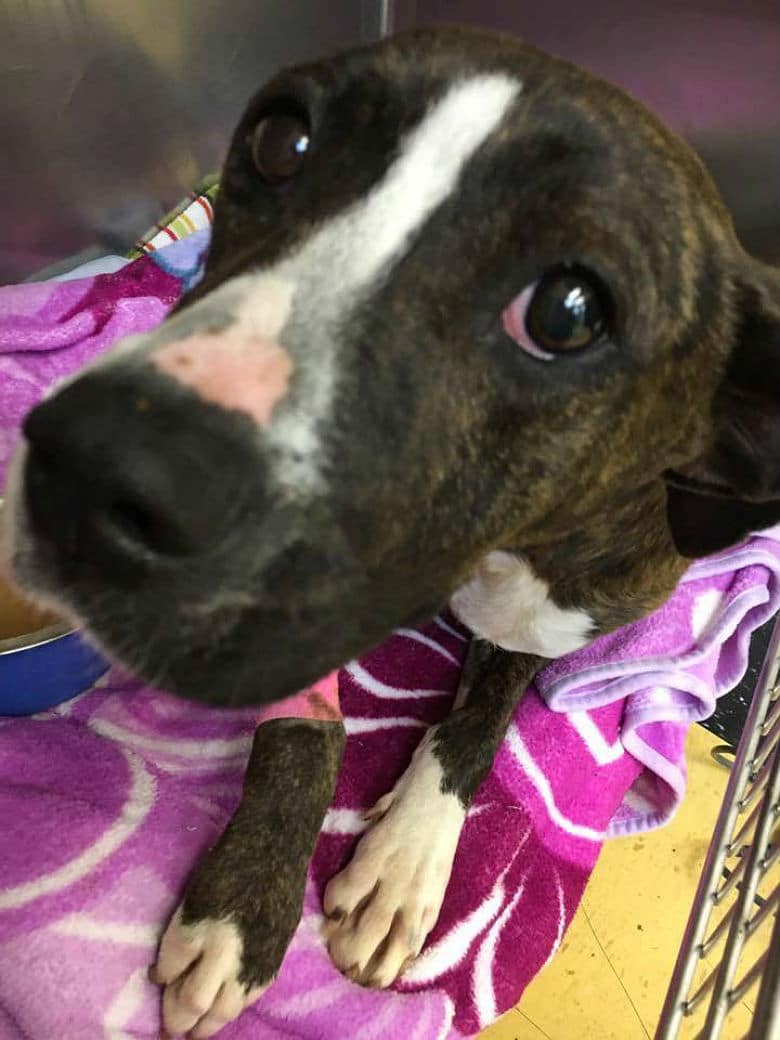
(45, 667)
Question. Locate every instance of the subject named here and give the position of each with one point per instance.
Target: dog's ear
(735, 488)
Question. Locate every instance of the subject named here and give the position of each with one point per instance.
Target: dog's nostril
(101, 518)
(137, 527)
(113, 488)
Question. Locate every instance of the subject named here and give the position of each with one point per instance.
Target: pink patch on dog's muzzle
(238, 374)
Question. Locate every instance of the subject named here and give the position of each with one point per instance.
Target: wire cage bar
(729, 958)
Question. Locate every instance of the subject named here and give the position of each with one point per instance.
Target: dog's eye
(567, 310)
(279, 146)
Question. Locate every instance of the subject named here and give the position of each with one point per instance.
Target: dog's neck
(550, 595)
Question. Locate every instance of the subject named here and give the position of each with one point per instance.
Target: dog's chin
(235, 653)
(240, 682)
(237, 659)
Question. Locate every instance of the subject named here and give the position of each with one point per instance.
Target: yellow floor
(609, 979)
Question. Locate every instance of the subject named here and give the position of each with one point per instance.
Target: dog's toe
(230, 1002)
(399, 948)
(374, 940)
(382, 906)
(199, 965)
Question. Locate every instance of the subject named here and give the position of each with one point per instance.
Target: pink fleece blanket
(107, 801)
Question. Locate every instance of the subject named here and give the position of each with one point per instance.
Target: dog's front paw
(226, 941)
(208, 983)
(382, 906)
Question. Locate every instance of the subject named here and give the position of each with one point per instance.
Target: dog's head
(460, 296)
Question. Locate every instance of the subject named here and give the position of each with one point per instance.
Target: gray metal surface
(111, 110)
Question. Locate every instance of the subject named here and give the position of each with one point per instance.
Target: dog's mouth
(697, 486)
(230, 649)
(273, 612)
(228, 657)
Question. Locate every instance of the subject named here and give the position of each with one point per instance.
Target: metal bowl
(44, 666)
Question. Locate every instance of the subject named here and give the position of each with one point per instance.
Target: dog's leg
(241, 907)
(382, 906)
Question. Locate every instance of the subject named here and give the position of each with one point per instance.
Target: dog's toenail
(407, 964)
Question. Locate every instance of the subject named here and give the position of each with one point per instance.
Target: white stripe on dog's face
(301, 301)
(359, 244)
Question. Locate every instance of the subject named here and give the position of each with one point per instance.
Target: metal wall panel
(710, 68)
(110, 110)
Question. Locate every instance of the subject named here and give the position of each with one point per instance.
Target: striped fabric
(193, 213)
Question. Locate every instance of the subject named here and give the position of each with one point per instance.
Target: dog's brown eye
(567, 310)
(279, 146)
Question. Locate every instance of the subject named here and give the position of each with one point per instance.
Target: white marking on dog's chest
(507, 604)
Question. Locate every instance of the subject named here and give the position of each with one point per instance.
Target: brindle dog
(475, 327)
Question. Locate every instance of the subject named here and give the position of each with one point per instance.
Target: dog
(474, 328)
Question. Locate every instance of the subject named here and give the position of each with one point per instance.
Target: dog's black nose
(131, 470)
